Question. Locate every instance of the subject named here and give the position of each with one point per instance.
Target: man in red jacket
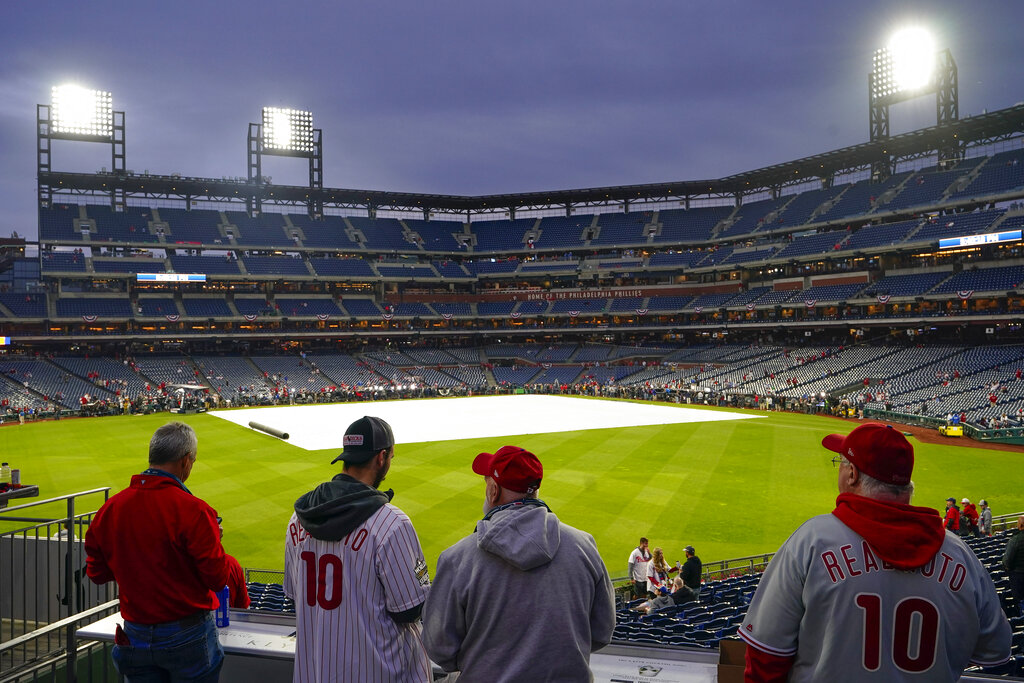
(162, 546)
(952, 519)
(969, 519)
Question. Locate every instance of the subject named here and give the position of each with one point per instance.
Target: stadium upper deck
(770, 224)
(863, 252)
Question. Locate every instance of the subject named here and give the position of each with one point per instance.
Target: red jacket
(952, 520)
(971, 513)
(162, 546)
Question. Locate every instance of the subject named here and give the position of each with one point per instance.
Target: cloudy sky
(481, 97)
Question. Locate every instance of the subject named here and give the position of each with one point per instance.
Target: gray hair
(873, 488)
(172, 442)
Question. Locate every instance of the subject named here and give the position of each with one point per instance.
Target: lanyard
(161, 473)
(530, 502)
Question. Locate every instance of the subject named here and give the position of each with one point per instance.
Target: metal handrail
(1002, 522)
(68, 521)
(36, 503)
(57, 625)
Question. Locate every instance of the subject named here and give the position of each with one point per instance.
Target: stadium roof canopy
(976, 130)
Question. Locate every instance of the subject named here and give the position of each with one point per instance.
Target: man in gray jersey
(876, 590)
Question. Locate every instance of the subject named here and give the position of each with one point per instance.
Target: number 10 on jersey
(323, 579)
(910, 654)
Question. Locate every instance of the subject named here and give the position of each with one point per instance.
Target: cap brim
(834, 442)
(482, 464)
(341, 456)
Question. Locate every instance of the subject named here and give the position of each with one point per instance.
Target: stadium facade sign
(538, 294)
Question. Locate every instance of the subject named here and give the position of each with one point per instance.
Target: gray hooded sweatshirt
(525, 598)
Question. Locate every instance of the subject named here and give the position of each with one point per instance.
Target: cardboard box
(731, 660)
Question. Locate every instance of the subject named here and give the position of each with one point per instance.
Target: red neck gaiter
(905, 536)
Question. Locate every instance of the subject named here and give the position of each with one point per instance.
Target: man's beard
(378, 478)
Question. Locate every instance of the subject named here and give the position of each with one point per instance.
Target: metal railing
(1005, 522)
(45, 594)
(752, 564)
(1006, 434)
(264, 576)
(88, 660)
(723, 569)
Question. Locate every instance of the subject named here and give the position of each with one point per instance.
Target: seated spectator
(680, 595)
(658, 571)
(692, 571)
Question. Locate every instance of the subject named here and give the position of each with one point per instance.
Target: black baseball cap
(364, 438)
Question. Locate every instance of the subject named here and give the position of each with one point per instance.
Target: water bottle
(223, 601)
(5, 473)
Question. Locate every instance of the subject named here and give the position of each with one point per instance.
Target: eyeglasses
(838, 460)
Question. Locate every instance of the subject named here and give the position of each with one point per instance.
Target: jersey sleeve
(994, 632)
(401, 567)
(289, 559)
(653, 581)
(772, 624)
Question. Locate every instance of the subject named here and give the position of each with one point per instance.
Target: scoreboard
(170, 277)
(977, 240)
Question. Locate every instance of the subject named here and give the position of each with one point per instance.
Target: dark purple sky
(481, 97)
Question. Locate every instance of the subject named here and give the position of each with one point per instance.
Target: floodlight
(287, 130)
(913, 58)
(80, 111)
(907, 64)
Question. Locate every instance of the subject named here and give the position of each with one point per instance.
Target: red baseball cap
(877, 450)
(513, 468)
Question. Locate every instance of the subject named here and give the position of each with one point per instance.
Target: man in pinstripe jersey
(355, 568)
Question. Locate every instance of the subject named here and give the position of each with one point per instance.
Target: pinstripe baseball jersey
(828, 598)
(343, 591)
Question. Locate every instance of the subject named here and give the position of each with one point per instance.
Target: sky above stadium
(472, 98)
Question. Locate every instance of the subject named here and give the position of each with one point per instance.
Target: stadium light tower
(82, 115)
(907, 68)
(287, 133)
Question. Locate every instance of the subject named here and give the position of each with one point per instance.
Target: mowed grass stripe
(599, 480)
(730, 488)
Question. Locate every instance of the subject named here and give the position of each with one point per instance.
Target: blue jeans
(166, 653)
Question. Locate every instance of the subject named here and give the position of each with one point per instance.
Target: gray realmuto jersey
(828, 598)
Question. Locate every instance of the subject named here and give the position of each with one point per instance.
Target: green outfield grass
(730, 488)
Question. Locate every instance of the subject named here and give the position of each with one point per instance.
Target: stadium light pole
(287, 133)
(907, 68)
(83, 115)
